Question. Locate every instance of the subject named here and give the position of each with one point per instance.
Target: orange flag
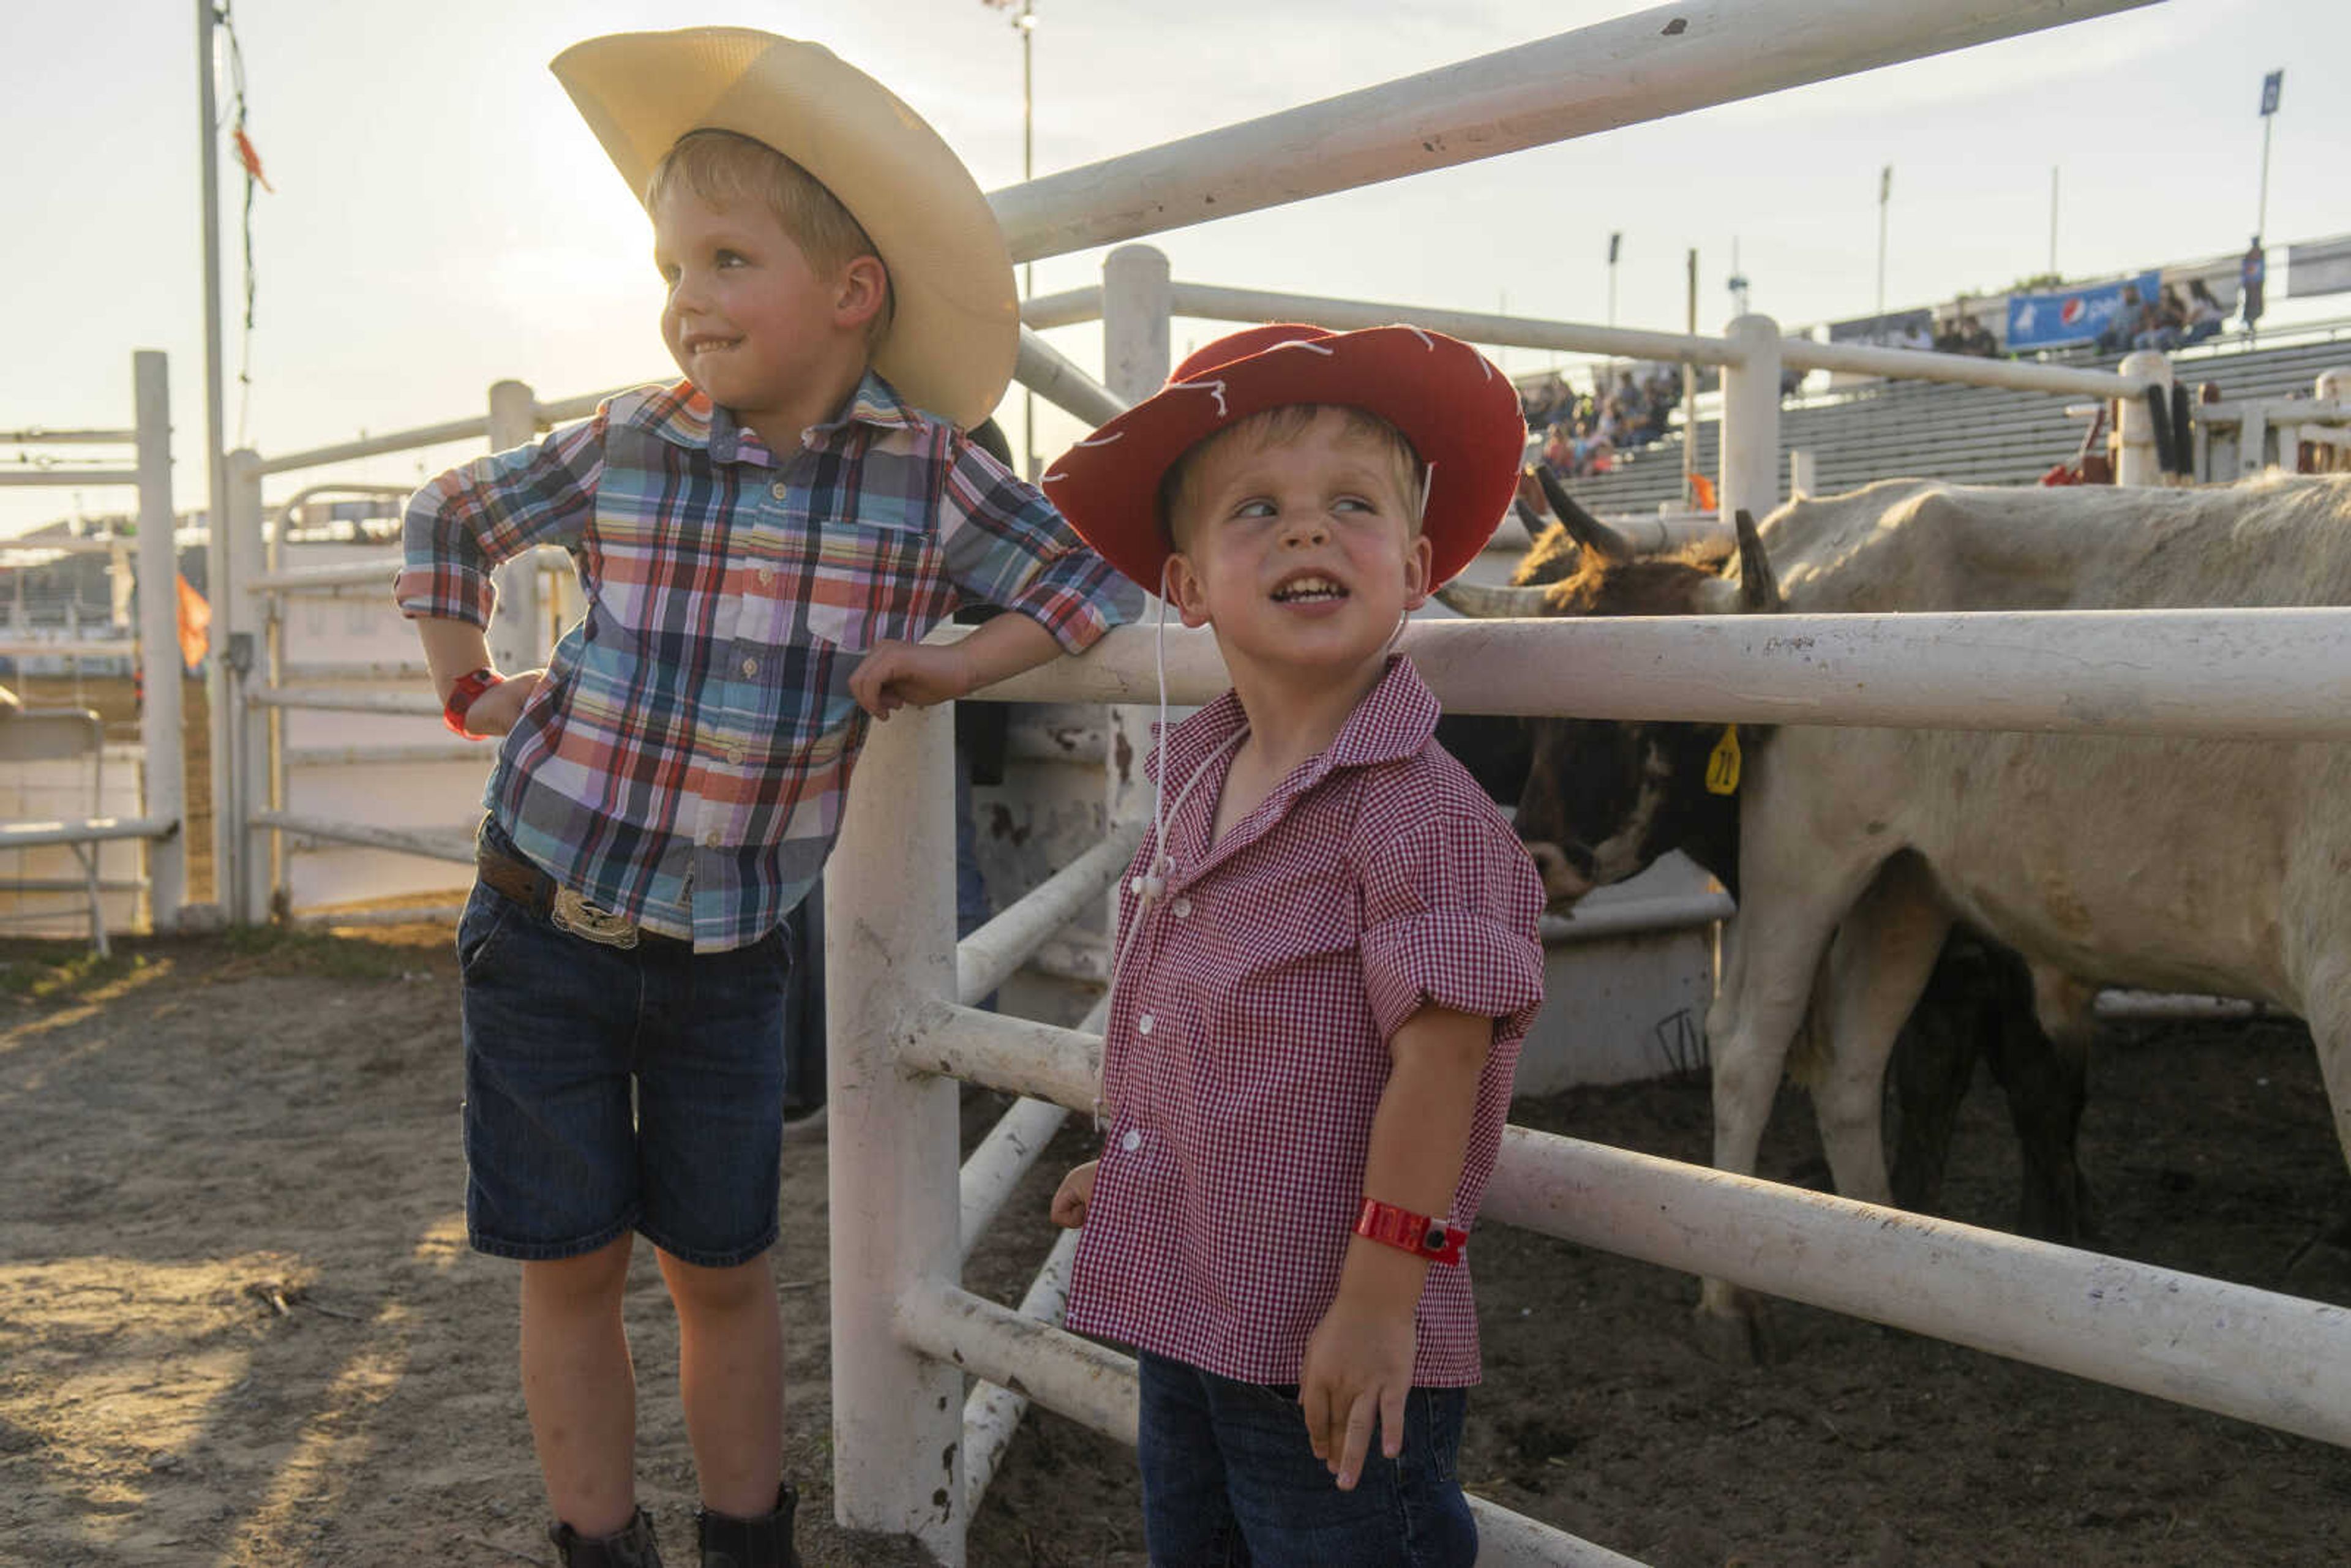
(1702, 492)
(195, 624)
(251, 159)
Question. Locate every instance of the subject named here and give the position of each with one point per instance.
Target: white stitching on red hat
(1426, 341)
(1215, 389)
(1099, 440)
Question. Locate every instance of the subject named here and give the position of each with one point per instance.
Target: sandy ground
(238, 1323)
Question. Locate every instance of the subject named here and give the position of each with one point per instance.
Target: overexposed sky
(442, 219)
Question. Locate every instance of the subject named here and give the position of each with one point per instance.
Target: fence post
(1804, 475)
(164, 793)
(1137, 300)
(242, 876)
(1750, 419)
(2139, 463)
(518, 635)
(897, 1199)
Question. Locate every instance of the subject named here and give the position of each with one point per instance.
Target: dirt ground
(239, 1325)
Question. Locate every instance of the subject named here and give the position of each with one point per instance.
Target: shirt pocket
(872, 583)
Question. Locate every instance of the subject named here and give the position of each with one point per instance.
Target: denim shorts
(612, 1089)
(1229, 1480)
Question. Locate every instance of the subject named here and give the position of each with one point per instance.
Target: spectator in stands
(1976, 339)
(2129, 320)
(2204, 314)
(2165, 323)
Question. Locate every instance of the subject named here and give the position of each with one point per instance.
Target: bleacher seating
(1935, 430)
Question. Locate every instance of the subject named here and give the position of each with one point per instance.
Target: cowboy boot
(631, 1548)
(762, 1542)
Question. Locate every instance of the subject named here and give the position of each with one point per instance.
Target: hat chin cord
(1151, 885)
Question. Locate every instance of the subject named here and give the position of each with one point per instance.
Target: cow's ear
(1759, 590)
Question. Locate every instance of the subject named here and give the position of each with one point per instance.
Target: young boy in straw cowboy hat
(761, 546)
(1327, 954)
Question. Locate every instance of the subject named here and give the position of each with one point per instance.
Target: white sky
(442, 220)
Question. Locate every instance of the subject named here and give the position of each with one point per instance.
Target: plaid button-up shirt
(1248, 1046)
(682, 762)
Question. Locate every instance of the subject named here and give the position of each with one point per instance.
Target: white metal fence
(158, 827)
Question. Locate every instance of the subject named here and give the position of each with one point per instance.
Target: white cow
(2169, 864)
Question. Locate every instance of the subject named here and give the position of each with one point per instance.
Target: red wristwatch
(1433, 1239)
(463, 695)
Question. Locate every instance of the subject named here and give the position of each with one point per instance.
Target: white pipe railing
(1647, 66)
(163, 764)
(992, 1413)
(2254, 674)
(1007, 1154)
(987, 956)
(1207, 302)
(2232, 1349)
(37, 437)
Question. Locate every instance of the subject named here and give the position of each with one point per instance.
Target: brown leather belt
(514, 877)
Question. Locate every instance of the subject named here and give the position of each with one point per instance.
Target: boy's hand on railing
(1076, 1192)
(895, 674)
(1358, 1365)
(495, 711)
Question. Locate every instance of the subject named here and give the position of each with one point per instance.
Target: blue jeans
(612, 1089)
(1229, 1480)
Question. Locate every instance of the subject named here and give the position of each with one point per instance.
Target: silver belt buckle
(584, 920)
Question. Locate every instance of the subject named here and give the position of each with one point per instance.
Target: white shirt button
(767, 574)
(750, 666)
(1132, 1142)
(1142, 1024)
(734, 754)
(780, 489)
(710, 841)
(1181, 909)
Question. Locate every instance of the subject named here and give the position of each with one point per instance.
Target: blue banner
(2076, 315)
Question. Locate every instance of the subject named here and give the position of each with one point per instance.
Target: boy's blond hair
(722, 166)
(1274, 427)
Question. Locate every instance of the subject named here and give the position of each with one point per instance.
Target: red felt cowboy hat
(1459, 413)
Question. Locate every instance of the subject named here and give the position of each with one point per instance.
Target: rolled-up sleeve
(1449, 912)
(463, 524)
(1006, 545)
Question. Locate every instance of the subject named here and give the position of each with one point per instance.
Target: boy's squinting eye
(1255, 507)
(727, 258)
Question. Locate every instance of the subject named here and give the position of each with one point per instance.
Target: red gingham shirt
(1248, 1046)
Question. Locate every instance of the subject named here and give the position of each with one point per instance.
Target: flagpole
(1026, 22)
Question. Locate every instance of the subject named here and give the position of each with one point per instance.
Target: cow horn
(1759, 589)
(1581, 526)
(1481, 602)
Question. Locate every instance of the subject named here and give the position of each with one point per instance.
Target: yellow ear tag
(1722, 766)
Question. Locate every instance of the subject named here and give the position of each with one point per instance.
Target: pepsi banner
(2074, 315)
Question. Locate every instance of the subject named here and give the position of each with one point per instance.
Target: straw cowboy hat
(956, 330)
(1459, 413)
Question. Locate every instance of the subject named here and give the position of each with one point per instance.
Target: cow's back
(1908, 544)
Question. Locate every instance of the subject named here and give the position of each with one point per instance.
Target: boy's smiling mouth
(705, 343)
(1309, 588)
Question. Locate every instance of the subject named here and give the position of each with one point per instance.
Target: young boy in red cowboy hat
(1327, 954)
(761, 546)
